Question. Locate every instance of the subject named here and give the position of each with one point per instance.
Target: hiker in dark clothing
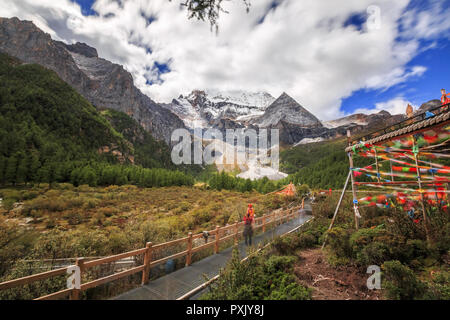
(248, 229)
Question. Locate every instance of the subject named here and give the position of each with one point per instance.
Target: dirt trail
(341, 283)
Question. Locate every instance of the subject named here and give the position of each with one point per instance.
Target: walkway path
(178, 283)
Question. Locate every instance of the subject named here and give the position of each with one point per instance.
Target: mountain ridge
(105, 84)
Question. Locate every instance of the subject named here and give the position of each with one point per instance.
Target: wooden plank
(169, 243)
(32, 278)
(110, 278)
(53, 296)
(116, 257)
(203, 246)
(189, 250)
(227, 237)
(174, 256)
(197, 236)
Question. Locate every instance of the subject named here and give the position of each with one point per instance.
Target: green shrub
(74, 218)
(305, 240)
(439, 287)
(8, 204)
(339, 241)
(283, 245)
(285, 287)
(279, 264)
(364, 236)
(260, 277)
(374, 253)
(400, 282)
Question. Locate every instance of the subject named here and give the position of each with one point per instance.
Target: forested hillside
(319, 165)
(50, 133)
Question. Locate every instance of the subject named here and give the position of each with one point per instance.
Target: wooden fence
(220, 234)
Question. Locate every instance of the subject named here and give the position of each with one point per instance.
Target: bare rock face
(429, 105)
(292, 120)
(83, 49)
(286, 110)
(103, 83)
(361, 119)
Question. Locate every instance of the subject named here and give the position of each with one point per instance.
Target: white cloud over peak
(394, 106)
(304, 48)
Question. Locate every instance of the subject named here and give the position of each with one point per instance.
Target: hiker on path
(250, 210)
(248, 228)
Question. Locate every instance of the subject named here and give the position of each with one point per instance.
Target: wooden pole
(189, 250)
(392, 173)
(147, 261)
(236, 231)
(75, 294)
(448, 200)
(337, 208)
(264, 223)
(216, 245)
(438, 203)
(376, 165)
(350, 157)
(425, 222)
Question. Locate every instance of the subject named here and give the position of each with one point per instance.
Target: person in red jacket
(251, 210)
(248, 228)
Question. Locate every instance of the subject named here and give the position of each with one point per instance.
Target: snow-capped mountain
(207, 108)
(260, 100)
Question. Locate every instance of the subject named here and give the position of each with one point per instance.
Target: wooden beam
(189, 250)
(147, 262)
(216, 246)
(337, 208)
(425, 220)
(29, 279)
(350, 158)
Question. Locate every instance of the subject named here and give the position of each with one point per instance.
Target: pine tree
(21, 173)
(11, 170)
(3, 163)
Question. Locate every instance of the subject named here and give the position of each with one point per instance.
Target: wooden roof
(410, 129)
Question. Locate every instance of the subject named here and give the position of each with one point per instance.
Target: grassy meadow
(39, 223)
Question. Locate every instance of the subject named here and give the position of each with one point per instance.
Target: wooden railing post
(264, 223)
(216, 245)
(236, 231)
(75, 294)
(189, 250)
(147, 261)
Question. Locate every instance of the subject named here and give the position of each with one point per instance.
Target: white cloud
(302, 47)
(394, 106)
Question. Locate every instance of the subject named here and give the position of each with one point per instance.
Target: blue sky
(86, 6)
(416, 90)
(322, 53)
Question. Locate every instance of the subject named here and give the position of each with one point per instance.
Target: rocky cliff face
(429, 105)
(103, 83)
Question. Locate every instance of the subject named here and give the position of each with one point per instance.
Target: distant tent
(289, 190)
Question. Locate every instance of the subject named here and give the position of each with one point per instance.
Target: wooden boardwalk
(182, 281)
